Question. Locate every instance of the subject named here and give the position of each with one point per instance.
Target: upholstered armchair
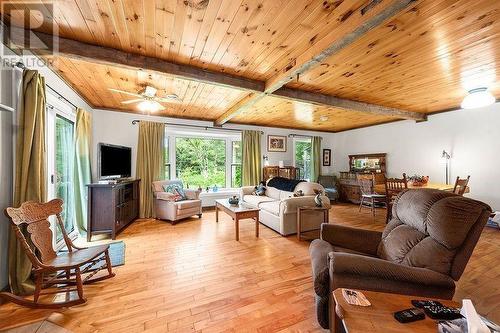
(168, 209)
(330, 185)
(422, 251)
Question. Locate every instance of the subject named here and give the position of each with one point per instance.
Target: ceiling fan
(147, 99)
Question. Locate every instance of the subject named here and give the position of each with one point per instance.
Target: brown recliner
(423, 250)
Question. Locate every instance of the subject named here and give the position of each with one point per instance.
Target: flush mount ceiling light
(477, 98)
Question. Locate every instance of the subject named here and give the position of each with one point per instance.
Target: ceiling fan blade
(124, 92)
(167, 100)
(130, 101)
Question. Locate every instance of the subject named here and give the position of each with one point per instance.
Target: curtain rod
(135, 121)
(299, 136)
(21, 65)
(61, 97)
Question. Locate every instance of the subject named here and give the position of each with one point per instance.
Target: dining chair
(393, 186)
(461, 185)
(62, 274)
(368, 194)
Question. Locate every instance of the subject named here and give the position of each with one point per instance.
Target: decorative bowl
(419, 181)
(234, 200)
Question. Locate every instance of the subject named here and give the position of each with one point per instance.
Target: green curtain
(251, 158)
(315, 158)
(150, 163)
(82, 171)
(30, 170)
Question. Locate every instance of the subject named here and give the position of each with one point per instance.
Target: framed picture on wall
(276, 143)
(327, 157)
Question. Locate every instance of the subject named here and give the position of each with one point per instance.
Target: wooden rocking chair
(55, 273)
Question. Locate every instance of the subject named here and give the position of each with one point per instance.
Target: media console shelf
(111, 207)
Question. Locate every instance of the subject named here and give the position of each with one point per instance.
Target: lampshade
(477, 98)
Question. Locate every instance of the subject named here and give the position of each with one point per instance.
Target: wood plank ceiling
(422, 60)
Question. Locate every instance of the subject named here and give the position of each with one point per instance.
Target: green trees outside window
(64, 172)
(236, 164)
(201, 162)
(303, 158)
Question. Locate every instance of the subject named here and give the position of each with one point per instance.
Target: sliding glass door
(61, 154)
(63, 177)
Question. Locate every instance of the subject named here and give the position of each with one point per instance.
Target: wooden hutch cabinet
(289, 172)
(368, 166)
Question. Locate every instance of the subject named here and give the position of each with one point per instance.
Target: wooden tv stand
(111, 207)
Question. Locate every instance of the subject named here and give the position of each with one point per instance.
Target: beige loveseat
(278, 209)
(168, 209)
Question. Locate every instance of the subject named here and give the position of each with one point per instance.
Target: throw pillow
(180, 192)
(260, 190)
(177, 190)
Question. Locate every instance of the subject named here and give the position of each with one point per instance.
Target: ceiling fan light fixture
(477, 98)
(149, 106)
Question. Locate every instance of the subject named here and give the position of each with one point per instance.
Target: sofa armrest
(360, 240)
(165, 196)
(192, 194)
(246, 190)
(369, 268)
(319, 251)
(290, 205)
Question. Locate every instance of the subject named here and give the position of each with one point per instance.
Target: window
(200, 162)
(167, 158)
(302, 157)
(236, 163)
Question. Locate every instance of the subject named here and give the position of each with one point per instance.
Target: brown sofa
(168, 209)
(423, 250)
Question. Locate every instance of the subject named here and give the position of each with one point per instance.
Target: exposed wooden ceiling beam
(108, 56)
(112, 57)
(313, 57)
(232, 111)
(346, 104)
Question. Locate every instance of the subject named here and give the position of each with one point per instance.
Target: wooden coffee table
(238, 212)
(379, 316)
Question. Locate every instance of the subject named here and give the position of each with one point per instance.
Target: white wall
(471, 136)
(116, 128)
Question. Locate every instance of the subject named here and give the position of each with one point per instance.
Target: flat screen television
(114, 161)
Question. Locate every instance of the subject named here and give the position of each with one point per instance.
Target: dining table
(380, 188)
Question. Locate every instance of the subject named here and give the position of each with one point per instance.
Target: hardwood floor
(194, 277)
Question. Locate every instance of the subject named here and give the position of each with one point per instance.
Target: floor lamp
(446, 159)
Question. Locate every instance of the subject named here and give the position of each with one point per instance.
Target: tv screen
(115, 161)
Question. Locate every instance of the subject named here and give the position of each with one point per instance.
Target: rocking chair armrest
(77, 247)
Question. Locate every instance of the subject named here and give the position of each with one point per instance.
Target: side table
(300, 210)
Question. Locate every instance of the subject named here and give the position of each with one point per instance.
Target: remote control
(418, 303)
(442, 312)
(409, 315)
(436, 310)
